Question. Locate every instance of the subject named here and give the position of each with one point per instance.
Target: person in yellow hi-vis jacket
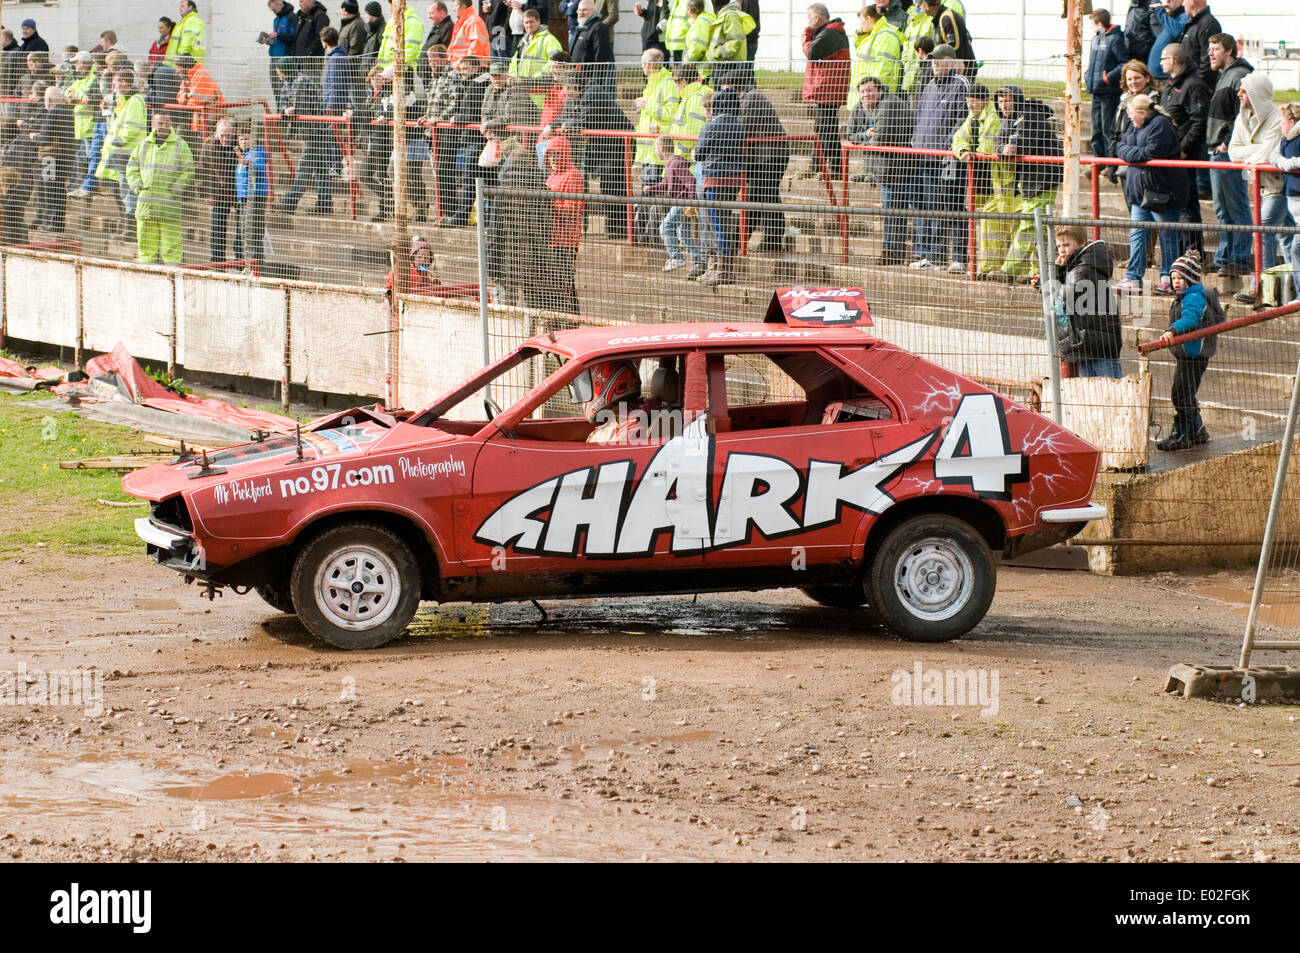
(658, 105)
(731, 26)
(129, 125)
(689, 118)
(698, 34)
(532, 59)
(412, 37)
(187, 36)
(995, 181)
(159, 172)
(877, 51)
(675, 28)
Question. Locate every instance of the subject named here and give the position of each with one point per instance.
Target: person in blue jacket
(720, 170)
(252, 188)
(1193, 307)
(1109, 53)
(1172, 20)
(1153, 193)
(279, 40)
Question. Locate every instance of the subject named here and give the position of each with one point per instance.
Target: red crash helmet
(611, 382)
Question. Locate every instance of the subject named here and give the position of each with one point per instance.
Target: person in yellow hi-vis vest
(159, 172)
(129, 125)
(187, 35)
(689, 117)
(412, 37)
(732, 25)
(995, 181)
(82, 94)
(658, 105)
(877, 51)
(531, 65)
(698, 34)
(675, 29)
(919, 24)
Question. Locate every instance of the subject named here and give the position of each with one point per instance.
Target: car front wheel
(932, 579)
(356, 586)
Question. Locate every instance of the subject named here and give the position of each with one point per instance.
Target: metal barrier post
(1270, 526)
(480, 230)
(1049, 314)
(437, 181)
(627, 183)
(972, 248)
(1096, 198)
(1258, 215)
(288, 352)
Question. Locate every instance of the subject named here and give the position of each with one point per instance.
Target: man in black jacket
(884, 119)
(651, 13)
(304, 98)
(1085, 303)
(312, 18)
(33, 41)
(766, 159)
(1137, 29)
(459, 197)
(1187, 101)
(592, 47)
(949, 27)
(1227, 188)
(1201, 25)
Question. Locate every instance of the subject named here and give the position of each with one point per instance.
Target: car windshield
(504, 382)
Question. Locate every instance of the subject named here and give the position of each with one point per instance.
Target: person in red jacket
(566, 225)
(826, 80)
(421, 279)
(469, 37)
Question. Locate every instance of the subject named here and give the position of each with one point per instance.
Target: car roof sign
(819, 308)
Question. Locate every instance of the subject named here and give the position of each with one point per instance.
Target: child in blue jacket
(1194, 306)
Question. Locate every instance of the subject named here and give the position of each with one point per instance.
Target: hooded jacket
(720, 149)
(1086, 296)
(1154, 139)
(1138, 35)
(1196, 40)
(566, 214)
(1107, 57)
(826, 77)
(1029, 131)
(1187, 102)
(1287, 158)
(1167, 27)
(307, 40)
(1224, 104)
(1258, 131)
(759, 119)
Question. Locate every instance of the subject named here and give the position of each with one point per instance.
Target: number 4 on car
(678, 458)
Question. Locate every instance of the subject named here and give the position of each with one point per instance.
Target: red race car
(672, 458)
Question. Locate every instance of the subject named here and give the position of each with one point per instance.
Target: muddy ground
(743, 727)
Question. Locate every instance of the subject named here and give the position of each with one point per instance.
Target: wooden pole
(401, 240)
(1073, 98)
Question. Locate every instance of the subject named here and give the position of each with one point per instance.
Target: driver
(615, 396)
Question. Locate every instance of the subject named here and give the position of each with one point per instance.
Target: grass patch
(39, 503)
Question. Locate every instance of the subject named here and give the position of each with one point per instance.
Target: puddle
(449, 623)
(1276, 608)
(239, 786)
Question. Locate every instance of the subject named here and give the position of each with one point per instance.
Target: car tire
(932, 579)
(324, 584)
(277, 596)
(836, 597)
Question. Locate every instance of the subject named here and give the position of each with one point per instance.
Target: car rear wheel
(932, 579)
(277, 596)
(836, 597)
(356, 586)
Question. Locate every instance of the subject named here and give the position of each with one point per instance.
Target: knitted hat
(29, 24)
(374, 9)
(349, 6)
(943, 52)
(1189, 266)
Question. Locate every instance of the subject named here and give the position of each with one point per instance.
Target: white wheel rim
(934, 579)
(357, 587)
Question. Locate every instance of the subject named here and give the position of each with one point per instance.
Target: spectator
(603, 157)
(882, 118)
(767, 154)
(1227, 188)
(199, 90)
(164, 85)
(33, 41)
(1138, 33)
(592, 49)
(553, 103)
(1201, 26)
(698, 32)
(128, 128)
(440, 24)
(654, 16)
(64, 69)
(107, 42)
(1287, 158)
(218, 162)
(720, 153)
(412, 37)
(352, 32)
(496, 16)
(751, 41)
(1169, 19)
(675, 31)
(469, 37)
(187, 38)
(304, 97)
(1088, 319)
(279, 41)
(38, 70)
(730, 40)
(56, 148)
(1137, 81)
(1027, 131)
(373, 14)
(826, 79)
(377, 142)
(689, 118)
(1193, 307)
(334, 80)
(12, 66)
(658, 105)
(678, 227)
(83, 94)
(995, 180)
(252, 189)
(877, 51)
(159, 171)
(938, 183)
(566, 227)
(472, 86)
(524, 226)
(443, 93)
(307, 47)
(1106, 61)
(1187, 102)
(531, 64)
(158, 49)
(506, 105)
(919, 26)
(1256, 136)
(950, 28)
(422, 278)
(1153, 193)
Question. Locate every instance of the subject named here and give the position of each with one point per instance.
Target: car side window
(766, 391)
